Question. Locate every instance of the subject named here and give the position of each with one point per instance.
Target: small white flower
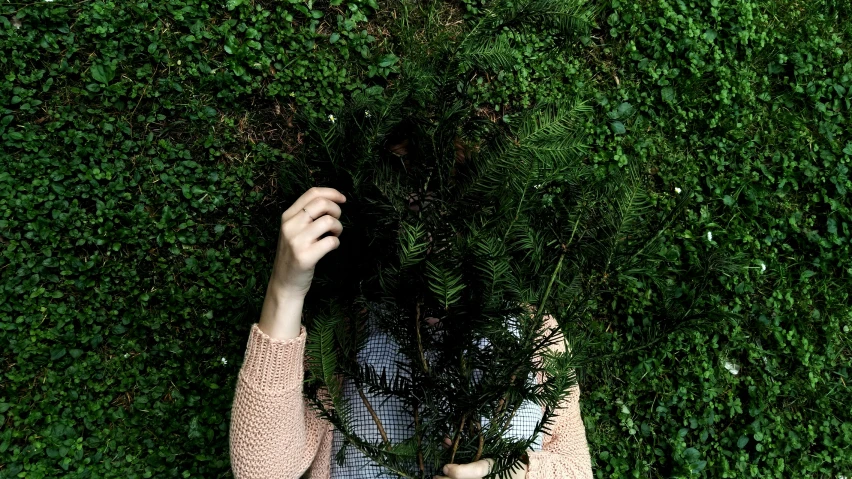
(126, 355)
(367, 113)
(538, 186)
(48, 0)
(762, 267)
(732, 368)
(178, 62)
(224, 361)
(677, 190)
(709, 236)
(331, 118)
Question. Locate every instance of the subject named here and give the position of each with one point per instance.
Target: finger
(447, 442)
(317, 208)
(473, 470)
(313, 232)
(321, 248)
(312, 245)
(310, 195)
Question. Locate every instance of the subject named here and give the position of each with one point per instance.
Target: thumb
(447, 442)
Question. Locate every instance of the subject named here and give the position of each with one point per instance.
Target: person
(274, 433)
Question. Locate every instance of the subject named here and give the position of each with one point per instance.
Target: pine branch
(495, 54)
(374, 416)
(569, 16)
(546, 139)
(444, 284)
(486, 241)
(413, 244)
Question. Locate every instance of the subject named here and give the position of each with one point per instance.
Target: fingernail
(446, 469)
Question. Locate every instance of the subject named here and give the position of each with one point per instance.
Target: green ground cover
(141, 147)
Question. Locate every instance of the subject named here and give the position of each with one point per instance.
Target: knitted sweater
(274, 434)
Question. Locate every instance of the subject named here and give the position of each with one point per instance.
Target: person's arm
(564, 452)
(274, 433)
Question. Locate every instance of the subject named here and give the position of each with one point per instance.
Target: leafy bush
(749, 103)
(140, 147)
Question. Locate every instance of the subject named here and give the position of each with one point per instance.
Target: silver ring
(306, 211)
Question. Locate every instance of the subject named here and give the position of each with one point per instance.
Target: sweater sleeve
(273, 432)
(564, 452)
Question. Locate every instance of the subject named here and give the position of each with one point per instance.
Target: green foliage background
(141, 150)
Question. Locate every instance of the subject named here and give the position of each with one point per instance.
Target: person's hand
(475, 470)
(299, 243)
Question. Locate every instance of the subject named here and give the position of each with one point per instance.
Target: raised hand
(300, 247)
(315, 213)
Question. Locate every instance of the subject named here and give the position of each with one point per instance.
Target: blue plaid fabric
(380, 351)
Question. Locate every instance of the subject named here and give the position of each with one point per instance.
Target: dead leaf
(399, 149)
(461, 150)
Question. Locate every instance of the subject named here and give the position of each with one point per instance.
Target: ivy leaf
(625, 109)
(668, 94)
(618, 128)
(103, 73)
(334, 38)
(388, 60)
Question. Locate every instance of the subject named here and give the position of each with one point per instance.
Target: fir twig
(419, 339)
(375, 416)
(419, 439)
(481, 443)
(457, 438)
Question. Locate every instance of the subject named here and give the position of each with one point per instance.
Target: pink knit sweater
(276, 435)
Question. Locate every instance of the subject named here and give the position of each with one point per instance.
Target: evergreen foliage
(451, 200)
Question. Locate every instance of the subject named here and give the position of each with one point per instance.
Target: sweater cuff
(274, 365)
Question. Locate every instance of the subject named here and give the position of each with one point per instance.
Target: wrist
(282, 291)
(281, 317)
